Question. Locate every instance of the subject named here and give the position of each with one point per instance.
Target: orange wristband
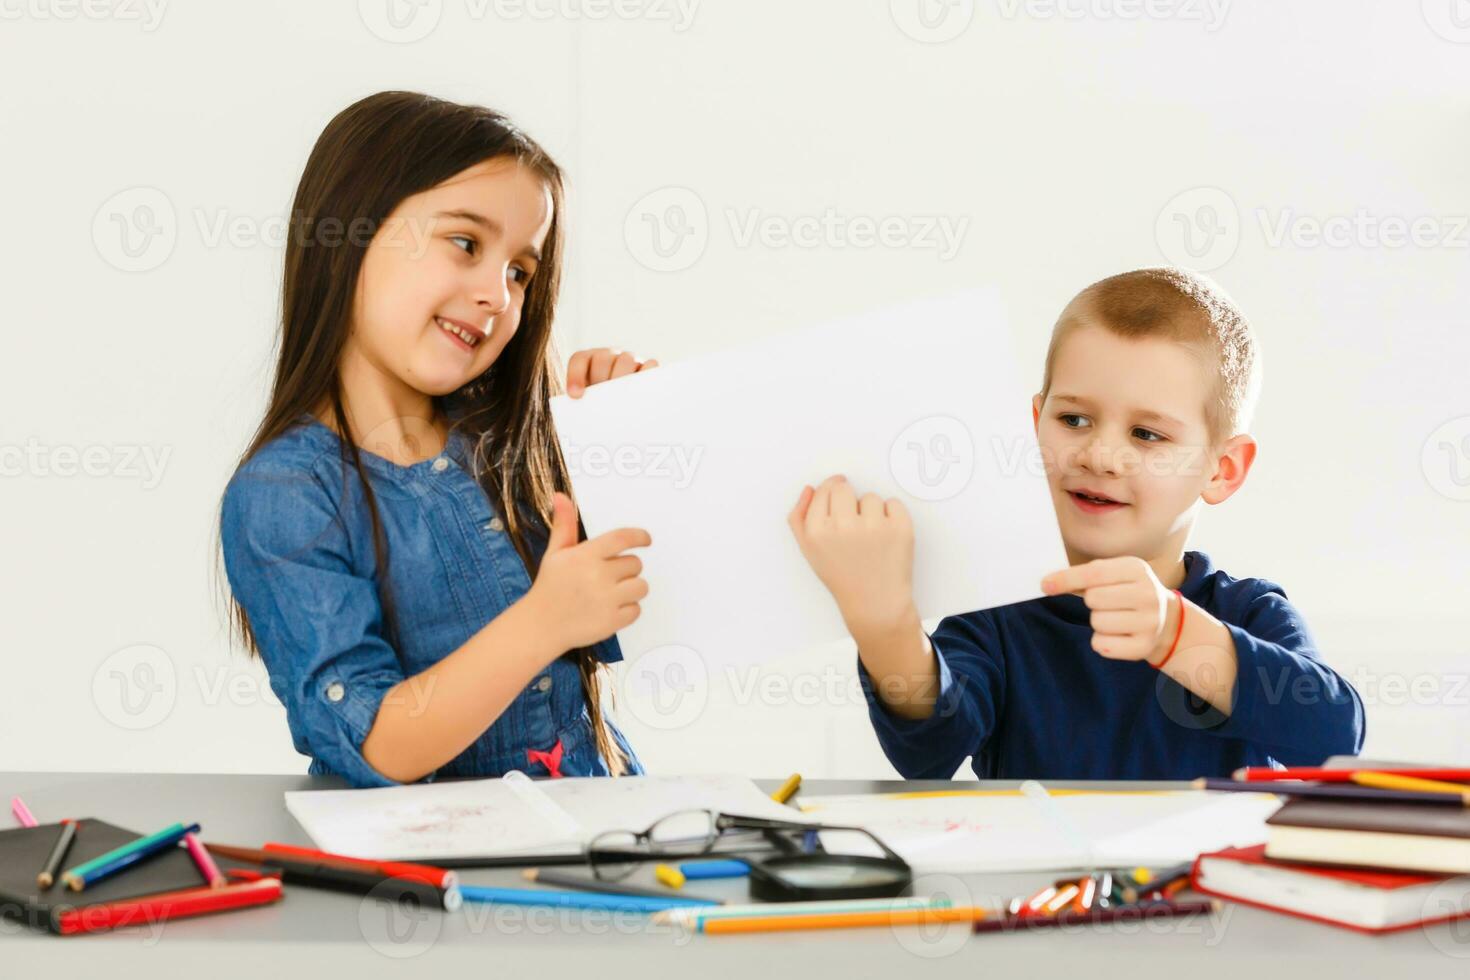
(1178, 632)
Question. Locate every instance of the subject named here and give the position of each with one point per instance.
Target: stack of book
(1371, 847)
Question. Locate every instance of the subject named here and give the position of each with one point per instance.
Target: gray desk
(340, 937)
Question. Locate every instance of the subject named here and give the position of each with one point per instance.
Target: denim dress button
(544, 684)
(335, 691)
(441, 464)
(495, 525)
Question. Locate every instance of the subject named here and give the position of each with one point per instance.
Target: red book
(1362, 900)
(165, 905)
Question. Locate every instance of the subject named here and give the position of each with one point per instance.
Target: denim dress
(298, 549)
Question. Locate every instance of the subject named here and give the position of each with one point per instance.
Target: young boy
(1142, 660)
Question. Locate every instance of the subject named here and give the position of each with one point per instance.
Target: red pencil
(166, 905)
(1260, 774)
(438, 877)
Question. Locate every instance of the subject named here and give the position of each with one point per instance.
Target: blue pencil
(574, 900)
(696, 870)
(126, 856)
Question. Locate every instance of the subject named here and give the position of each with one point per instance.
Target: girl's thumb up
(563, 523)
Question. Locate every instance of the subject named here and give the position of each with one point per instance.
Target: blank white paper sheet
(924, 402)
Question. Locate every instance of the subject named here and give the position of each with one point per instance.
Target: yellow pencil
(843, 920)
(788, 789)
(1388, 780)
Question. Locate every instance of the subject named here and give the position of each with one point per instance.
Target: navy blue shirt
(1024, 694)
(298, 549)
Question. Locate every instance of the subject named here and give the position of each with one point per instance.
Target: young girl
(398, 538)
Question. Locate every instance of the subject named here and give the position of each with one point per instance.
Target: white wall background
(1069, 139)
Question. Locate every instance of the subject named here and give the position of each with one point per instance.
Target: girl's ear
(1036, 413)
(1231, 467)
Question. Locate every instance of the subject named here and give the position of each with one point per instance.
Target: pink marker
(22, 812)
(201, 857)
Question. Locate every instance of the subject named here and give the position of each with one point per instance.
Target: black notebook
(24, 850)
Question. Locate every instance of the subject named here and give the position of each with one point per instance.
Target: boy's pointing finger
(1079, 578)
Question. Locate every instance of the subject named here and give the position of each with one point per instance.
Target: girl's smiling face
(1124, 420)
(443, 281)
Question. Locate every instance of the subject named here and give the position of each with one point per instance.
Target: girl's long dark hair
(371, 156)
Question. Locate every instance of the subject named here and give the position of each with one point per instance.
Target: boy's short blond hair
(1178, 305)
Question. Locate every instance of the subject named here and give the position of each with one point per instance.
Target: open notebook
(964, 831)
(513, 815)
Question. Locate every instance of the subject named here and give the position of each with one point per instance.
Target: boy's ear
(1036, 413)
(1231, 467)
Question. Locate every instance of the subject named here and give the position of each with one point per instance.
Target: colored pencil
(204, 862)
(124, 857)
(1329, 791)
(22, 812)
(583, 883)
(52, 868)
(571, 900)
(1118, 913)
(699, 870)
(692, 915)
(840, 920)
(317, 874)
(437, 876)
(1413, 784)
(71, 920)
(788, 789)
(1258, 774)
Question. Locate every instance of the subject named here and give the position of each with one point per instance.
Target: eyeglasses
(792, 875)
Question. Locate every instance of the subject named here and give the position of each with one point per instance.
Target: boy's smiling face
(1124, 421)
